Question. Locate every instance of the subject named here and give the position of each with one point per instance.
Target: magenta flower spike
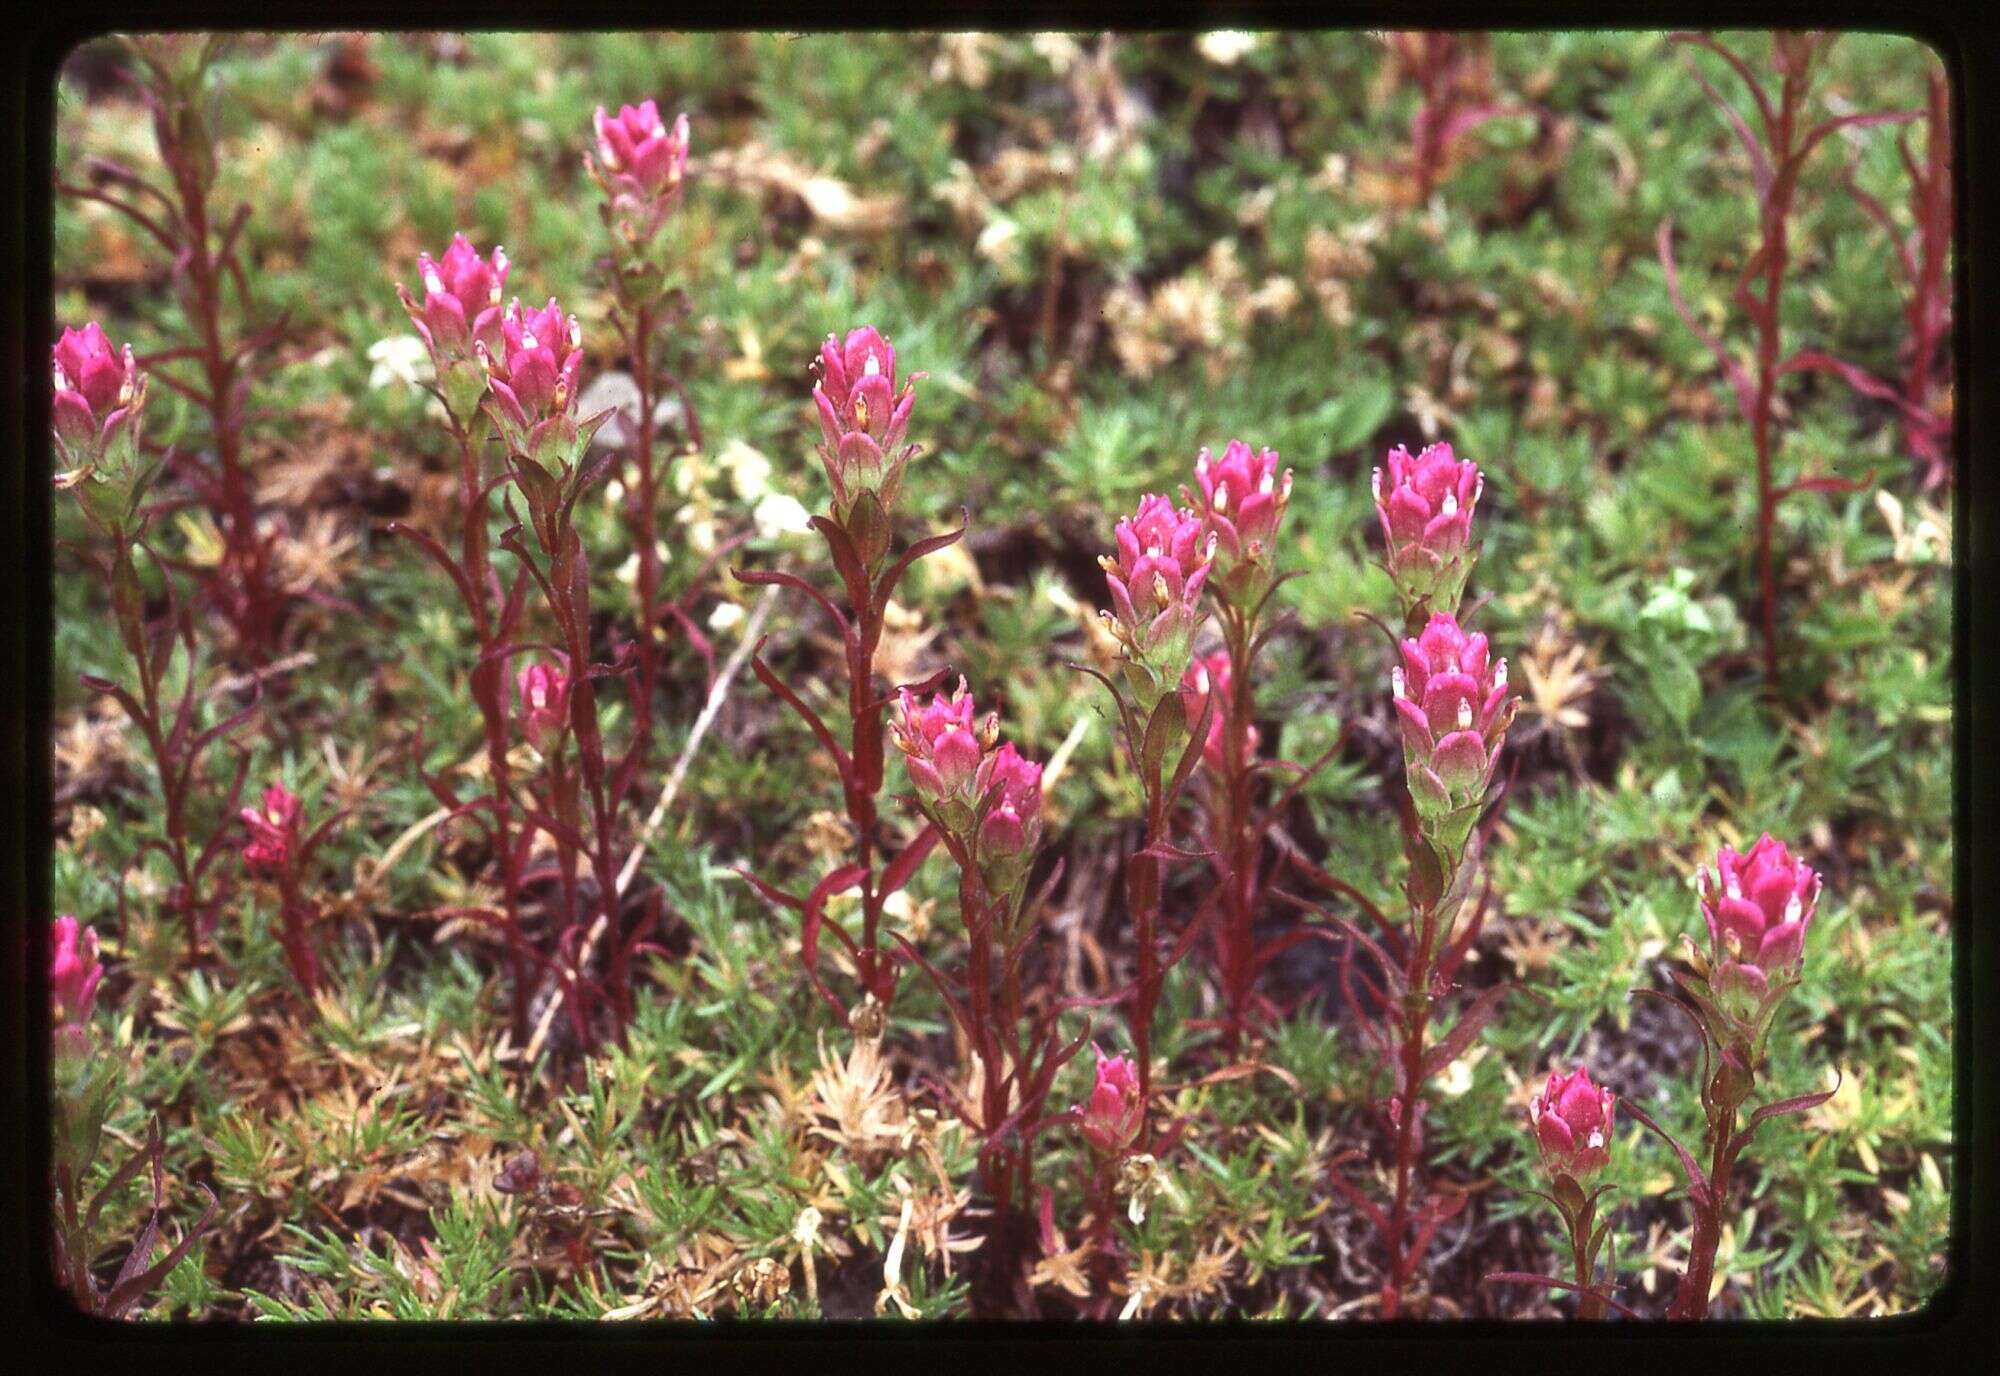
(980, 792)
(460, 309)
(1243, 498)
(532, 378)
(544, 690)
(1571, 1119)
(461, 300)
(1454, 707)
(1112, 1117)
(1164, 557)
(1011, 822)
(74, 972)
(863, 421)
(1425, 504)
(639, 165)
(1212, 674)
(636, 149)
(99, 394)
(943, 746)
(274, 831)
(1758, 907)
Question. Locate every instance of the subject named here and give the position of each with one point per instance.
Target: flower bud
(1113, 1115)
(274, 831)
(544, 690)
(1243, 498)
(1571, 1119)
(1454, 708)
(1425, 504)
(99, 395)
(74, 972)
(1164, 557)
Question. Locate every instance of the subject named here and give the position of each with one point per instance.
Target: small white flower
(1224, 46)
(779, 514)
(400, 359)
(726, 617)
(749, 469)
(996, 242)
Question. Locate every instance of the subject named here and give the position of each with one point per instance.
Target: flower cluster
(943, 746)
(461, 300)
(544, 691)
(74, 972)
(99, 396)
(274, 831)
(1455, 708)
(1208, 675)
(1571, 1119)
(639, 166)
(533, 382)
(1164, 557)
(863, 420)
(976, 789)
(1758, 906)
(1112, 1117)
(1243, 498)
(1426, 512)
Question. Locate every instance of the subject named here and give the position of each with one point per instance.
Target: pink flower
(1243, 498)
(74, 972)
(862, 419)
(1426, 512)
(461, 300)
(1164, 557)
(980, 792)
(274, 832)
(1454, 708)
(639, 155)
(1572, 1122)
(1758, 907)
(544, 691)
(533, 378)
(943, 747)
(1211, 674)
(1013, 796)
(98, 394)
(1113, 1116)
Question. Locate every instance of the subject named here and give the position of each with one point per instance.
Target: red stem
(645, 532)
(1691, 1296)
(1416, 1020)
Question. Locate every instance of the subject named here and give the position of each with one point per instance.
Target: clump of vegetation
(546, 977)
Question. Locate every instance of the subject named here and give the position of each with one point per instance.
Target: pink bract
(1571, 1119)
(74, 971)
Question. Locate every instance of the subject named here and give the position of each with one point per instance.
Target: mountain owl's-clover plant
(862, 421)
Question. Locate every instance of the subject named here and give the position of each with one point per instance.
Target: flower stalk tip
(1425, 504)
